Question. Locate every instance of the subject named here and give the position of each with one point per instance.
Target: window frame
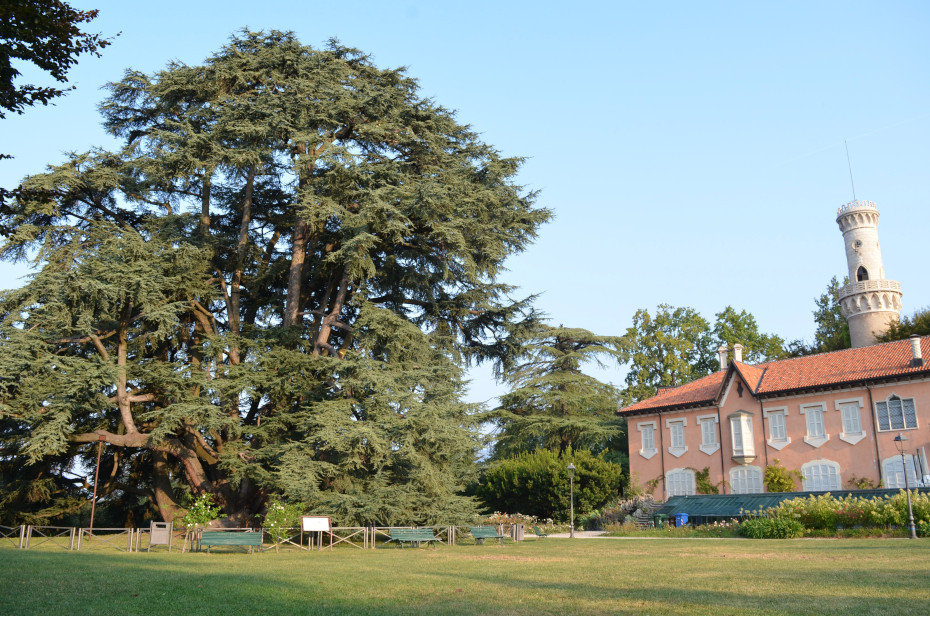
(891, 428)
(677, 425)
(811, 412)
(712, 419)
(691, 481)
(647, 453)
(895, 463)
(773, 413)
(842, 405)
(736, 472)
(809, 478)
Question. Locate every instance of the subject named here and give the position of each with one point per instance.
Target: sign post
(314, 525)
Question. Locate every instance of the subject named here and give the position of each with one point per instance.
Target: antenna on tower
(850, 171)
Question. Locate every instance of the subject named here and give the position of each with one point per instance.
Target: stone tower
(869, 302)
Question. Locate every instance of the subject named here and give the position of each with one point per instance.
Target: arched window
(821, 475)
(746, 479)
(894, 471)
(679, 482)
(862, 274)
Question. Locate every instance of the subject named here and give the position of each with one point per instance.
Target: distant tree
(732, 327)
(553, 403)
(831, 331)
(536, 483)
(47, 34)
(918, 324)
(673, 347)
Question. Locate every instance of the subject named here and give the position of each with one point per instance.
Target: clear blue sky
(691, 151)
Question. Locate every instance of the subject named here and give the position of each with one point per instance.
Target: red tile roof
(863, 365)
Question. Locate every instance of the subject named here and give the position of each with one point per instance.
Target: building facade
(832, 416)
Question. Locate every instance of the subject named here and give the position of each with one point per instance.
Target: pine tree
(271, 288)
(553, 404)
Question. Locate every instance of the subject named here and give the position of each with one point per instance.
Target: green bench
(539, 533)
(480, 532)
(210, 538)
(413, 536)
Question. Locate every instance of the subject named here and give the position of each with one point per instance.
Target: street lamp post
(571, 482)
(899, 442)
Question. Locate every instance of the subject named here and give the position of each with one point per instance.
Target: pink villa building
(833, 416)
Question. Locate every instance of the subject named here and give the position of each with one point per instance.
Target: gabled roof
(871, 364)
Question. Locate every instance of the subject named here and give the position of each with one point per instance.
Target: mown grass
(553, 576)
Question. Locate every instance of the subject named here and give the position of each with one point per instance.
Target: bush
(203, 509)
(779, 479)
(280, 518)
(619, 512)
(537, 483)
(771, 527)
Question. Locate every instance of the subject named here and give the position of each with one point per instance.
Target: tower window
(862, 274)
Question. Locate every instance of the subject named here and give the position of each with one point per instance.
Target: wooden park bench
(539, 533)
(480, 532)
(210, 538)
(413, 536)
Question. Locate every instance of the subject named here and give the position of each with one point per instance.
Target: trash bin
(681, 518)
(659, 520)
(517, 531)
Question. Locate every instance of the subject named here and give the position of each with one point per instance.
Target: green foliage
(732, 327)
(623, 510)
(678, 345)
(553, 404)
(46, 34)
(923, 529)
(538, 483)
(280, 518)
(832, 330)
(703, 485)
(780, 479)
(825, 512)
(201, 511)
(672, 348)
(862, 483)
(918, 324)
(265, 290)
(775, 527)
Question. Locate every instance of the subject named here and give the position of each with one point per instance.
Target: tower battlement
(870, 301)
(857, 205)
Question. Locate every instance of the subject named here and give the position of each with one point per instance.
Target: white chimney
(737, 352)
(917, 358)
(722, 355)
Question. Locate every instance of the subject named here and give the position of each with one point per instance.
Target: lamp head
(571, 470)
(899, 442)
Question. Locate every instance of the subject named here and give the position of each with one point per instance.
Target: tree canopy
(552, 403)
(918, 324)
(831, 332)
(271, 288)
(677, 345)
(48, 35)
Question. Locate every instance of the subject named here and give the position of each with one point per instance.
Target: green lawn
(553, 576)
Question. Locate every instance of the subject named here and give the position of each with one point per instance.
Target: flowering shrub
(280, 517)
(826, 512)
(202, 510)
(771, 527)
(624, 510)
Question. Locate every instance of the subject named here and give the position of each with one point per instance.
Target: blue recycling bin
(681, 518)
